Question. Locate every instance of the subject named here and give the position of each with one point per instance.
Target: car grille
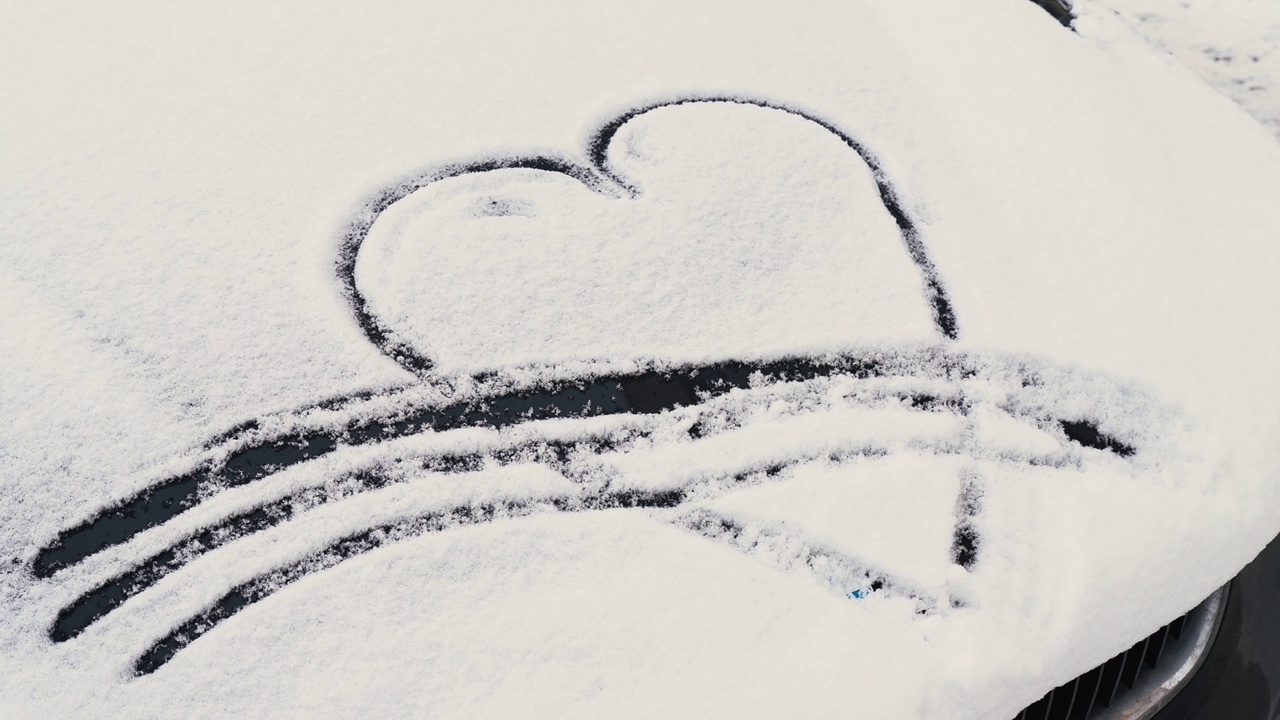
(1135, 684)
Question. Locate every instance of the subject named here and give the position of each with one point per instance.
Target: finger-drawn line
(259, 588)
(673, 390)
(1088, 435)
(839, 571)
(830, 566)
(643, 392)
(113, 592)
(964, 544)
(558, 455)
(256, 460)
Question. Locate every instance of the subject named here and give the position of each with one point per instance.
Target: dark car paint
(1059, 9)
(1240, 676)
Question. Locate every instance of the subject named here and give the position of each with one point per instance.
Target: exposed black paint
(965, 542)
(651, 391)
(1088, 435)
(1059, 9)
(148, 509)
(262, 587)
(112, 593)
(964, 549)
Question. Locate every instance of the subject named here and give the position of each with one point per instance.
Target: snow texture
(672, 273)
(885, 359)
(1233, 44)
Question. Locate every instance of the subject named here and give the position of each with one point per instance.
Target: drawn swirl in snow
(677, 198)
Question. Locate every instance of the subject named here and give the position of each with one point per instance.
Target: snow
(1232, 44)
(179, 185)
(671, 273)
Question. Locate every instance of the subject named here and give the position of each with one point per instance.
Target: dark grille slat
(1136, 680)
(1155, 647)
(1062, 700)
(1048, 704)
(1133, 663)
(1086, 694)
(1110, 682)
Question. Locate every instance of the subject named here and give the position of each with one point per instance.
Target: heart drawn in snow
(700, 229)
(723, 317)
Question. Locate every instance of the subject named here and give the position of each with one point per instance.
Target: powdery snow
(970, 314)
(671, 273)
(1232, 44)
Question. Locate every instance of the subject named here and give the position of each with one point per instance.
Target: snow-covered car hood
(878, 359)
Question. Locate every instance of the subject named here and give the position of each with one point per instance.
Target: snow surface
(672, 273)
(179, 182)
(1233, 44)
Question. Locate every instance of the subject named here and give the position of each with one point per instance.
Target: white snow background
(1233, 44)
(175, 180)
